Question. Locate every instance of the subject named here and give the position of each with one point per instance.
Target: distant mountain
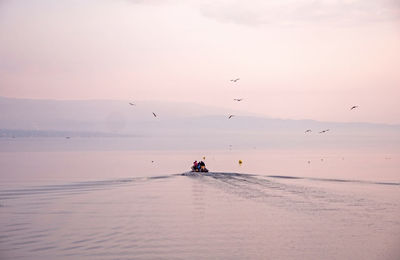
(173, 119)
(97, 115)
(16, 133)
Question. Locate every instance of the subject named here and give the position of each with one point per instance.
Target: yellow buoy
(240, 162)
(204, 157)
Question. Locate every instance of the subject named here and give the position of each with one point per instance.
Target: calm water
(280, 204)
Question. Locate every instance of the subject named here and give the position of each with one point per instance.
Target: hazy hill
(178, 120)
(100, 115)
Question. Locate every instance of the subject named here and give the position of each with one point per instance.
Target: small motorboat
(202, 169)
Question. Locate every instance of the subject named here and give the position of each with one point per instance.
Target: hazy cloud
(170, 49)
(298, 12)
(152, 2)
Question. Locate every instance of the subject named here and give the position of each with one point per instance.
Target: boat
(202, 169)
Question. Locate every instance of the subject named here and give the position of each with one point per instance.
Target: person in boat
(203, 167)
(195, 165)
(198, 167)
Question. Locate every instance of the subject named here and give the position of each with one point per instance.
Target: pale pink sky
(296, 59)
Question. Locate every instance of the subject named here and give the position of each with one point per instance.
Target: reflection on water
(279, 204)
(190, 215)
(99, 165)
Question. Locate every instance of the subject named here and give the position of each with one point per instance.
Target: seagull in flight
(324, 131)
(235, 80)
(154, 114)
(238, 99)
(132, 104)
(353, 107)
(230, 116)
(308, 131)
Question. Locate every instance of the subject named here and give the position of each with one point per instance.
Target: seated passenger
(194, 167)
(203, 167)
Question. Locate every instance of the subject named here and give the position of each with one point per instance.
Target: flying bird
(235, 80)
(324, 131)
(308, 131)
(154, 114)
(238, 99)
(353, 107)
(132, 104)
(230, 116)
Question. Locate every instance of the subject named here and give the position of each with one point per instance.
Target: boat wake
(296, 193)
(248, 183)
(218, 175)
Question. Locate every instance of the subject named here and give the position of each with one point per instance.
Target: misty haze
(199, 129)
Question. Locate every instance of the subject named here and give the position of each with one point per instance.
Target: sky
(296, 59)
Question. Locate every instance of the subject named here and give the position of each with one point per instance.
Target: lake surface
(96, 203)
